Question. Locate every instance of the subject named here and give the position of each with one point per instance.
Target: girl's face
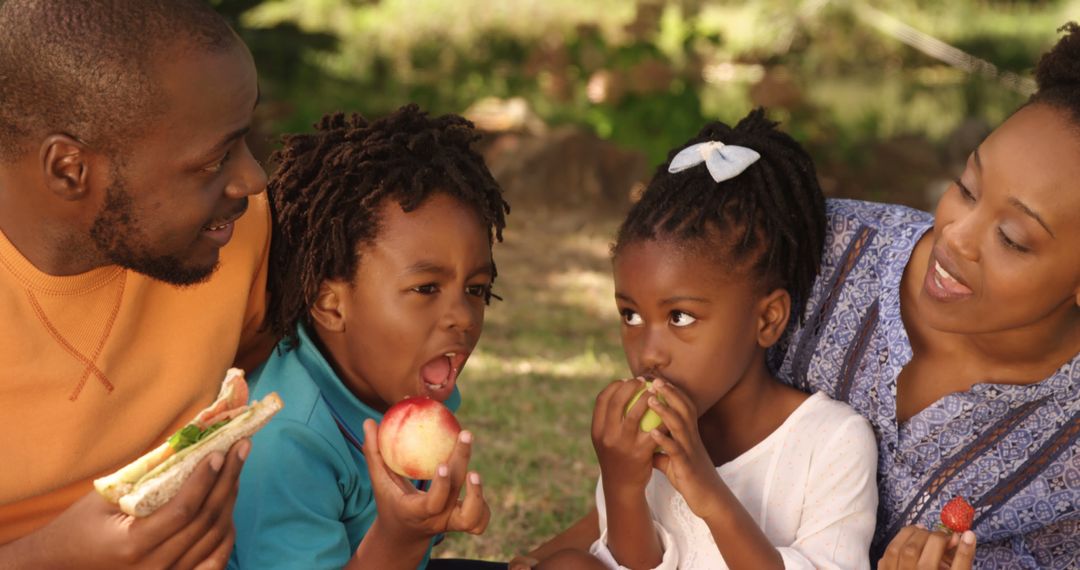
(1006, 238)
(415, 309)
(686, 319)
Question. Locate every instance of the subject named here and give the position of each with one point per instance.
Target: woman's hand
(685, 461)
(916, 547)
(408, 515)
(623, 450)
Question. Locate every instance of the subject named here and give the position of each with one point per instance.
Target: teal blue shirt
(305, 496)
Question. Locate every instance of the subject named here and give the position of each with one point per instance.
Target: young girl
(381, 270)
(750, 473)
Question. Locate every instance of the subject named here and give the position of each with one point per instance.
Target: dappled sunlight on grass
(529, 387)
(534, 453)
(487, 367)
(590, 290)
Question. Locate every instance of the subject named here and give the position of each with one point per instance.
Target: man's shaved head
(87, 68)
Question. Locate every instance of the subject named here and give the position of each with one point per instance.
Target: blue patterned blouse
(1011, 450)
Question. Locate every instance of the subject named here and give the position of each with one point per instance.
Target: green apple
(651, 420)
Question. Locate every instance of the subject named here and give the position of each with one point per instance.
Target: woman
(958, 336)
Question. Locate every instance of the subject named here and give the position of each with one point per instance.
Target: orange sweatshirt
(98, 368)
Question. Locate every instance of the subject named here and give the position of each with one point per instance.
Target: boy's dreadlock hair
(1058, 74)
(329, 186)
(769, 219)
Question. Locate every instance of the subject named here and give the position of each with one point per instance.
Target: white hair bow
(723, 161)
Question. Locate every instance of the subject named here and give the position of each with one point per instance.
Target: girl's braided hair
(770, 218)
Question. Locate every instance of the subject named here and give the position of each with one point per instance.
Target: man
(128, 280)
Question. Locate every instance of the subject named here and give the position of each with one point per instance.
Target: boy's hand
(193, 530)
(409, 515)
(916, 547)
(685, 461)
(623, 450)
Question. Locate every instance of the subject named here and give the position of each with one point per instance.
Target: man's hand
(193, 530)
(915, 547)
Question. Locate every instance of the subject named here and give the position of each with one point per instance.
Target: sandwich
(145, 484)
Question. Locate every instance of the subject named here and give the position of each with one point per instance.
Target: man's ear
(331, 305)
(66, 165)
(773, 312)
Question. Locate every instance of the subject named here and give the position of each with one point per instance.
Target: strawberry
(957, 514)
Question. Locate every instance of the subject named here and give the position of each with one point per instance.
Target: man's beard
(119, 237)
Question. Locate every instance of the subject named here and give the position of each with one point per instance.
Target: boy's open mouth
(440, 373)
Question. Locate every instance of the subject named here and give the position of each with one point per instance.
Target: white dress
(810, 486)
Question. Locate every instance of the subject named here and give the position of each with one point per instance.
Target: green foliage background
(857, 84)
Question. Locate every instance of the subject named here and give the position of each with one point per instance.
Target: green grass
(546, 351)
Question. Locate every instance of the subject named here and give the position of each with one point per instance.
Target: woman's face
(1006, 238)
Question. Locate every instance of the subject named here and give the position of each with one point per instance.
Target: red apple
(417, 435)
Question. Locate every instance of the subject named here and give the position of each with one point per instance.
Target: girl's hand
(685, 461)
(408, 515)
(623, 450)
(916, 547)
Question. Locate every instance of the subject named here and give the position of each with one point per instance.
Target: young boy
(381, 271)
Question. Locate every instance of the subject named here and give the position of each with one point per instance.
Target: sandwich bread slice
(150, 481)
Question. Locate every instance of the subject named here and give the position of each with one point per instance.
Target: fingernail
(657, 383)
(245, 448)
(654, 401)
(968, 537)
(443, 470)
(474, 478)
(465, 437)
(215, 462)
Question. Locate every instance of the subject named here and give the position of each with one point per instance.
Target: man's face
(172, 199)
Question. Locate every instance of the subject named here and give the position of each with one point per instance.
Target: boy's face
(685, 319)
(415, 309)
(170, 202)
(1005, 237)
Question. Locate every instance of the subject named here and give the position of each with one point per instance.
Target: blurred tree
(646, 74)
(286, 58)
